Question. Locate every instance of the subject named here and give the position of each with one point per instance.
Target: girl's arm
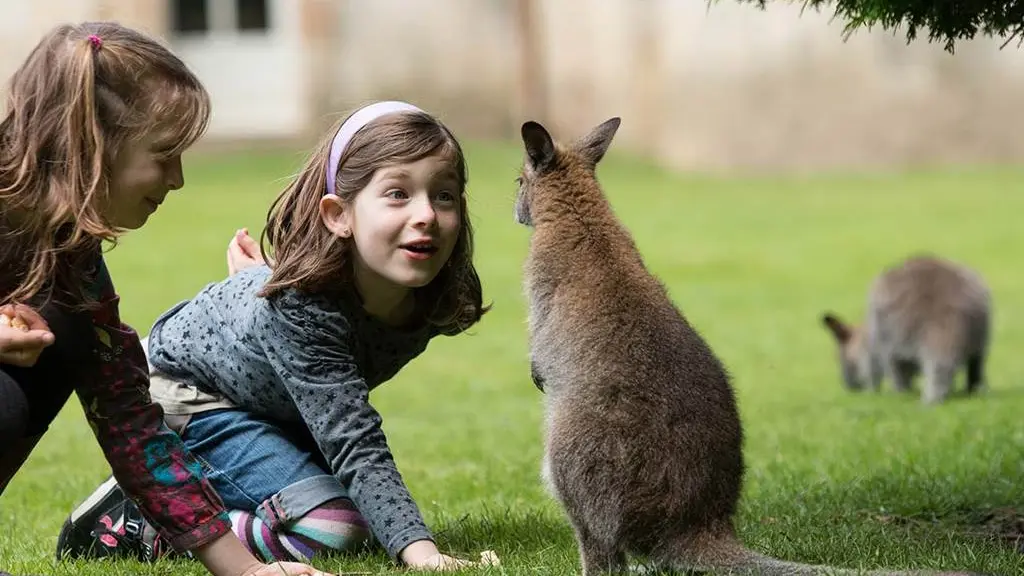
(306, 345)
(149, 461)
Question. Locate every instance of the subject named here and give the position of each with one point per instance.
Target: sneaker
(108, 524)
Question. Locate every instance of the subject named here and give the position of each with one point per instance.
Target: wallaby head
(850, 351)
(551, 168)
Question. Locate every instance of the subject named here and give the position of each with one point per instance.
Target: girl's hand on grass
(424, 555)
(286, 569)
(443, 562)
(227, 556)
(23, 335)
(243, 252)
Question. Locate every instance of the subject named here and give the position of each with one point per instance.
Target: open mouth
(422, 249)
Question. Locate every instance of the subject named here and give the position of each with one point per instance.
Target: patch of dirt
(1004, 524)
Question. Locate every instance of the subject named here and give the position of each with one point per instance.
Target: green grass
(752, 262)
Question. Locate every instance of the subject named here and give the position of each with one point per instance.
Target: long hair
(307, 257)
(83, 92)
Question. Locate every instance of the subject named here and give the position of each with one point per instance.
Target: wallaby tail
(728, 556)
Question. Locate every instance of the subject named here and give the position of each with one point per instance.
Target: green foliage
(945, 21)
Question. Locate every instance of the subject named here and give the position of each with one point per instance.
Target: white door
(249, 55)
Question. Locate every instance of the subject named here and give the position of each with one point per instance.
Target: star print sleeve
(149, 461)
(306, 347)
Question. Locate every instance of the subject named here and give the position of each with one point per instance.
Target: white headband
(353, 124)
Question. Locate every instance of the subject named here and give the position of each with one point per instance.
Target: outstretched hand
(424, 555)
(243, 252)
(285, 569)
(443, 562)
(23, 335)
(294, 569)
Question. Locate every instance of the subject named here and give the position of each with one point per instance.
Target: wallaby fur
(643, 445)
(925, 315)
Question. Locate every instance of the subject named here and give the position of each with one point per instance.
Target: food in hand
(15, 322)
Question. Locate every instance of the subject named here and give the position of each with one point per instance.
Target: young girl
(266, 375)
(97, 118)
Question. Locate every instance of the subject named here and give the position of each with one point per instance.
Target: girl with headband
(266, 375)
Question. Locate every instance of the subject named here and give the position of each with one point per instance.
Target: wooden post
(648, 77)
(532, 69)
(319, 32)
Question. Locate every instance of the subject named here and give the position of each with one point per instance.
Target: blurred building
(725, 86)
(252, 54)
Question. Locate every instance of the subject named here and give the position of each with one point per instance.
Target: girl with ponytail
(96, 120)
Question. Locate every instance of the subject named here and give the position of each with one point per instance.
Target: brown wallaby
(643, 444)
(925, 315)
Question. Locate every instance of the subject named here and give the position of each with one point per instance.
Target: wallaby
(643, 445)
(925, 315)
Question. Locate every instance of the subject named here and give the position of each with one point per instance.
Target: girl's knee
(351, 538)
(336, 525)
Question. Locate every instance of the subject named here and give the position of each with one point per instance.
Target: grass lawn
(851, 480)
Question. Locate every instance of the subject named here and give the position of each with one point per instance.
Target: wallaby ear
(840, 330)
(594, 145)
(540, 148)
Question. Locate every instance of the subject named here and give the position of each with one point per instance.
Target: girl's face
(142, 175)
(404, 225)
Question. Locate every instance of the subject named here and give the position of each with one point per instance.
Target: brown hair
(83, 92)
(309, 258)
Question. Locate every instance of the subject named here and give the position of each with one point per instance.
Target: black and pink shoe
(108, 524)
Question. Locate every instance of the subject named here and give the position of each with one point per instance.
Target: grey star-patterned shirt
(302, 358)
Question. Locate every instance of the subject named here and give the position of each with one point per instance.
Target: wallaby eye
(519, 180)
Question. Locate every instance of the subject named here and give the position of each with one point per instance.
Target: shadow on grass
(1003, 525)
(918, 514)
(974, 508)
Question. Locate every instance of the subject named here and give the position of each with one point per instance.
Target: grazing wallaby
(926, 315)
(643, 444)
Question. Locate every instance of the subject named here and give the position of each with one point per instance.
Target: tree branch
(945, 21)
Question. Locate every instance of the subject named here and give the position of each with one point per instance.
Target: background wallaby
(925, 315)
(643, 443)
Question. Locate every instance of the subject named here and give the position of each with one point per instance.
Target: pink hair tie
(97, 42)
